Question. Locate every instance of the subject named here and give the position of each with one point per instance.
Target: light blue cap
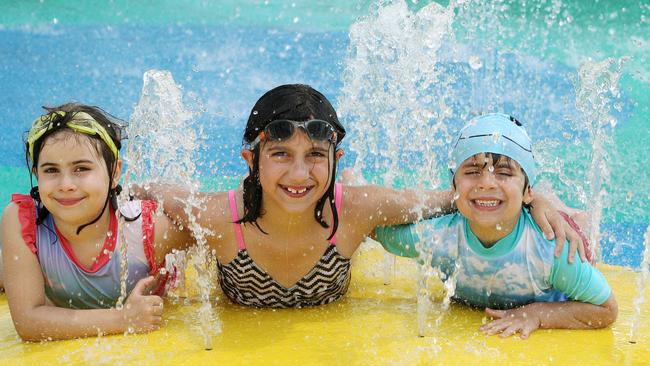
(496, 133)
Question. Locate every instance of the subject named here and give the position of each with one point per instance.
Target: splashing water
(641, 283)
(596, 93)
(413, 76)
(161, 149)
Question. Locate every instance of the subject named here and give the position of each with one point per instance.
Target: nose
(67, 183)
(487, 179)
(300, 170)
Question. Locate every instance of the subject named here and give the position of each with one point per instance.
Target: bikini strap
(338, 197)
(235, 218)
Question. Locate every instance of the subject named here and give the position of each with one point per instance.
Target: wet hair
(294, 102)
(496, 158)
(113, 127)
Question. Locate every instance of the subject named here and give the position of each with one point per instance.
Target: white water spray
(596, 91)
(161, 149)
(641, 284)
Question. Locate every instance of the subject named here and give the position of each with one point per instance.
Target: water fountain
(156, 154)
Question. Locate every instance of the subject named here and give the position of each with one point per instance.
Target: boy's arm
(400, 240)
(33, 316)
(550, 315)
(594, 305)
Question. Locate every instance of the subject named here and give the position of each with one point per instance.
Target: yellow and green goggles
(81, 122)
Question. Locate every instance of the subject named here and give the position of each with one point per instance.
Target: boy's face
(490, 196)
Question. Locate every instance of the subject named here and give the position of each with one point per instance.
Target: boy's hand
(553, 225)
(143, 312)
(523, 320)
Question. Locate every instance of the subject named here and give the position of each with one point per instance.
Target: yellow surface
(374, 324)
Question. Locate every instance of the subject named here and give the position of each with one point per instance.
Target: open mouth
(296, 191)
(486, 204)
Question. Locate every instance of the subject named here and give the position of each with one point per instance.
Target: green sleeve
(399, 240)
(579, 281)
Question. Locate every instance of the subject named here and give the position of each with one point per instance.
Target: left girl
(61, 242)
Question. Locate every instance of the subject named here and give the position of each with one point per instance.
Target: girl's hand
(508, 322)
(553, 225)
(143, 312)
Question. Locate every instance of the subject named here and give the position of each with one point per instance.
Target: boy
(503, 261)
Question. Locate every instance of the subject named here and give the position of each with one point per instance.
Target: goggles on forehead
(284, 129)
(81, 122)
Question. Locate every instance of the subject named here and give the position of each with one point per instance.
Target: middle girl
(285, 238)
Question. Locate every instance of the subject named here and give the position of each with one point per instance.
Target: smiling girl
(61, 242)
(285, 237)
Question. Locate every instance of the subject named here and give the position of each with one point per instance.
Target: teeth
(487, 203)
(296, 191)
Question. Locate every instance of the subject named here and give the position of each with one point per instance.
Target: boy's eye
(50, 170)
(316, 154)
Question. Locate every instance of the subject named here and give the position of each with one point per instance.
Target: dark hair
(295, 102)
(113, 126)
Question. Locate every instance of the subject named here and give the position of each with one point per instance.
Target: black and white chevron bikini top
(245, 283)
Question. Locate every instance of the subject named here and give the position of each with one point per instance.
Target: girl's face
(294, 173)
(490, 196)
(72, 178)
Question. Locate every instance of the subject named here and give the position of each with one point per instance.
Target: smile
(487, 203)
(296, 191)
(68, 201)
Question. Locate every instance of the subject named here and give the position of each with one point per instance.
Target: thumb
(495, 313)
(142, 285)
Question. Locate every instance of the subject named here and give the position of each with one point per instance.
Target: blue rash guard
(517, 270)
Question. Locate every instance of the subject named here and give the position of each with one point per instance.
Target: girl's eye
(50, 170)
(316, 154)
(472, 172)
(279, 154)
(80, 169)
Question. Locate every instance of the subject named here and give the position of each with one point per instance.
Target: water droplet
(629, 196)
(498, 227)
(296, 20)
(55, 21)
(456, 196)
(255, 113)
(475, 62)
(495, 137)
(491, 168)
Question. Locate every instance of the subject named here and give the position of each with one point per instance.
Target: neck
(93, 232)
(489, 235)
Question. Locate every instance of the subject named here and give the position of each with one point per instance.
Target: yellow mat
(375, 324)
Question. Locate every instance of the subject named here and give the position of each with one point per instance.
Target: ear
(528, 195)
(248, 156)
(338, 154)
(117, 173)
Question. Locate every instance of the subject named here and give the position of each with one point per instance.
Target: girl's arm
(169, 236)
(549, 315)
(36, 320)
(174, 200)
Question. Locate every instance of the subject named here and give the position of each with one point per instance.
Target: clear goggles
(284, 129)
(81, 122)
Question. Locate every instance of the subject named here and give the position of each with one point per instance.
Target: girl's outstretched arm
(36, 319)
(174, 199)
(549, 315)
